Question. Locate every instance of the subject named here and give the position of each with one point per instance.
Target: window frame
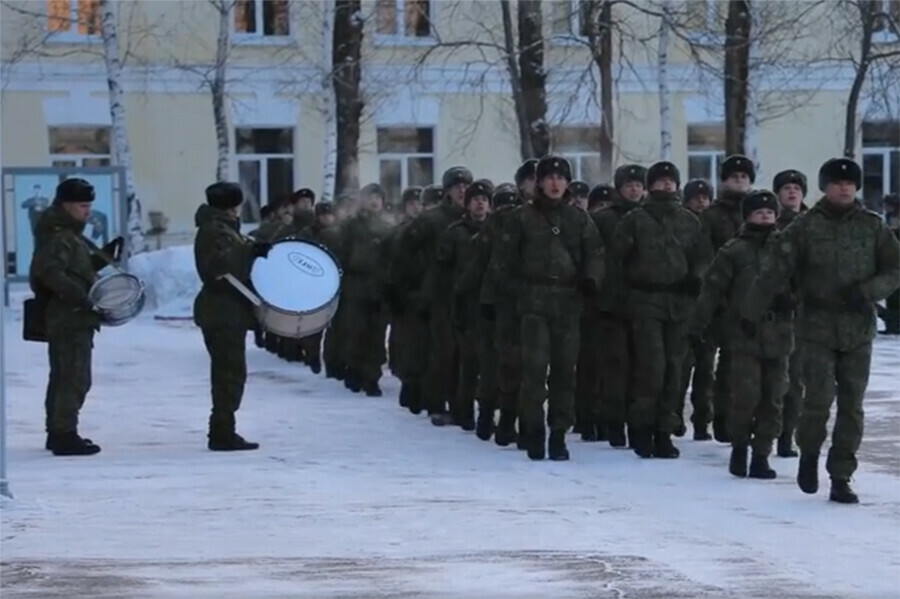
(884, 35)
(400, 38)
(80, 157)
(884, 151)
(403, 157)
(573, 36)
(709, 34)
(72, 35)
(573, 155)
(714, 158)
(262, 158)
(259, 37)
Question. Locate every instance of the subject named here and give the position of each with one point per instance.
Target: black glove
(748, 327)
(488, 312)
(854, 299)
(782, 303)
(113, 249)
(690, 285)
(261, 249)
(589, 288)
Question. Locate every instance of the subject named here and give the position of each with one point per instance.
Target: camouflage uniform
(329, 238)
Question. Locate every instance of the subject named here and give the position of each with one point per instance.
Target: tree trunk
(217, 89)
(515, 80)
(330, 103)
(751, 110)
(346, 49)
(868, 11)
(662, 73)
(603, 57)
(737, 47)
(121, 152)
(533, 77)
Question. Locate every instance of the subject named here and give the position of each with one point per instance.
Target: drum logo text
(305, 264)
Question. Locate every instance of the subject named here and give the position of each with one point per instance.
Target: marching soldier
(665, 254)
(601, 197)
(525, 180)
(303, 201)
(410, 207)
(578, 194)
(325, 233)
(221, 312)
(843, 259)
(551, 256)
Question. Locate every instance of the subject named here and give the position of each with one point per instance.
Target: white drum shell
(114, 316)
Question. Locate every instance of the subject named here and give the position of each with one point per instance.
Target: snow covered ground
(353, 497)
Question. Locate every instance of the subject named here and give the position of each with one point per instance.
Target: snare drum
(118, 298)
(299, 285)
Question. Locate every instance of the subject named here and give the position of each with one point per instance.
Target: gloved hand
(854, 299)
(748, 327)
(261, 249)
(488, 312)
(113, 249)
(589, 288)
(783, 303)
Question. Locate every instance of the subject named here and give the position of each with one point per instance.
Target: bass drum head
(297, 276)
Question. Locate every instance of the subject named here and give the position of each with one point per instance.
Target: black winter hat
(324, 208)
(629, 172)
(549, 165)
(505, 194)
(662, 169)
(74, 190)
(224, 195)
(790, 176)
(433, 194)
(478, 188)
(737, 163)
(373, 189)
(601, 193)
(526, 170)
(455, 175)
(411, 194)
(579, 188)
(487, 183)
(839, 169)
(696, 187)
(304, 192)
(758, 199)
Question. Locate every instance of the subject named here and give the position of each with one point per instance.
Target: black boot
(616, 433)
(602, 434)
(701, 432)
(680, 428)
(759, 468)
(808, 473)
(315, 364)
(233, 443)
(786, 446)
(737, 465)
(404, 395)
(641, 442)
(442, 419)
(663, 447)
(70, 444)
(352, 382)
(371, 389)
(536, 441)
(720, 430)
(588, 430)
(467, 423)
(484, 429)
(506, 429)
(556, 449)
(841, 492)
(415, 398)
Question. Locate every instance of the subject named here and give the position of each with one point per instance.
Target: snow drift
(170, 279)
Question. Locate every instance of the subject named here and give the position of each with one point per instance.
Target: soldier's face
(326, 220)
(632, 191)
(303, 205)
(554, 186)
(80, 211)
(840, 192)
(528, 187)
(478, 207)
(763, 216)
(285, 215)
(413, 208)
(698, 203)
(457, 194)
(790, 196)
(373, 203)
(666, 184)
(580, 202)
(739, 182)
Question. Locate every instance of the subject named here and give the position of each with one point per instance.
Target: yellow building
(436, 93)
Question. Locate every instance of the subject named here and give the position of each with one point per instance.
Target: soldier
(221, 312)
(525, 180)
(613, 323)
(601, 197)
(665, 254)
(325, 233)
(410, 207)
(362, 253)
(790, 186)
(432, 195)
(722, 221)
(891, 312)
(551, 256)
(759, 351)
(701, 355)
(454, 253)
(63, 269)
(303, 200)
(433, 296)
(578, 194)
(843, 259)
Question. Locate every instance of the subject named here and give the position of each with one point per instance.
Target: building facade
(436, 91)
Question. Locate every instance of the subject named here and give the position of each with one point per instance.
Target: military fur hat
(373, 189)
(790, 176)
(757, 200)
(736, 163)
(696, 187)
(663, 169)
(478, 188)
(579, 188)
(433, 194)
(324, 208)
(455, 175)
(411, 194)
(74, 190)
(839, 169)
(224, 195)
(629, 172)
(601, 193)
(505, 194)
(304, 192)
(489, 184)
(526, 170)
(551, 164)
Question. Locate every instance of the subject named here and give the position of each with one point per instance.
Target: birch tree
(329, 100)
(662, 74)
(217, 87)
(346, 78)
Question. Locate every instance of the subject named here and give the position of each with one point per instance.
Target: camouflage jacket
(63, 269)
(612, 294)
(828, 252)
(723, 219)
(271, 231)
(660, 247)
(454, 254)
(420, 239)
(363, 250)
(786, 217)
(479, 274)
(219, 248)
(732, 272)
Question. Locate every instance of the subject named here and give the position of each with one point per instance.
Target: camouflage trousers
(507, 341)
(367, 323)
(332, 347)
(410, 347)
(659, 348)
(548, 341)
(443, 361)
(615, 365)
(757, 386)
(793, 399)
(312, 348)
(228, 375)
(826, 371)
(588, 407)
(69, 380)
(487, 365)
(698, 373)
(722, 385)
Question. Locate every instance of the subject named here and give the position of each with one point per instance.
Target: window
(79, 17)
(403, 18)
(880, 161)
(79, 146)
(571, 17)
(261, 18)
(265, 160)
(581, 147)
(706, 152)
(703, 16)
(405, 158)
(888, 10)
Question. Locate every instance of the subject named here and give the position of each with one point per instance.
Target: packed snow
(352, 496)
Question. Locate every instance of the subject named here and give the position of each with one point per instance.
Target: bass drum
(299, 285)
